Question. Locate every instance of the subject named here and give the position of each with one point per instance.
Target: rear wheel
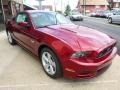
(81, 19)
(10, 38)
(50, 63)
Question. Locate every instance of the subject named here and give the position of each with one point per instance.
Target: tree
(111, 4)
(67, 10)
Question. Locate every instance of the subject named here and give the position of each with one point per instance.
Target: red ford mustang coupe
(64, 49)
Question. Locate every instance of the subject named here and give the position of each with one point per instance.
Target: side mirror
(24, 24)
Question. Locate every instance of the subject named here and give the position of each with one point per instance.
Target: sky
(72, 3)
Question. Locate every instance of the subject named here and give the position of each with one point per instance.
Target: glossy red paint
(65, 40)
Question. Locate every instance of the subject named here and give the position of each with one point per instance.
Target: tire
(50, 63)
(81, 19)
(110, 20)
(10, 38)
(71, 18)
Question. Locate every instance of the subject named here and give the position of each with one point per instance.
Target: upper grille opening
(105, 52)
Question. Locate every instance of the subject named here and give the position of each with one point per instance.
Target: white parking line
(58, 84)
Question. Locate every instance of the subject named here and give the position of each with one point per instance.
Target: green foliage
(67, 10)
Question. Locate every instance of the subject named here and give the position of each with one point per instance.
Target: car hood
(84, 37)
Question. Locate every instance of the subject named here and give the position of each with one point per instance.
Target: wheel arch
(46, 46)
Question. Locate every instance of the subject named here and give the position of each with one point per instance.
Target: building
(89, 6)
(9, 8)
(116, 3)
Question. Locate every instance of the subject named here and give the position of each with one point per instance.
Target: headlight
(80, 54)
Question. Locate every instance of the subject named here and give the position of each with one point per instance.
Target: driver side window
(21, 18)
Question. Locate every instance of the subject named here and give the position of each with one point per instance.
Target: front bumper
(77, 69)
(77, 18)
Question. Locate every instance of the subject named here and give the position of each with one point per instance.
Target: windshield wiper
(42, 26)
(45, 26)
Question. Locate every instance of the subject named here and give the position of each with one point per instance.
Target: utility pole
(22, 5)
(84, 7)
(55, 5)
(40, 4)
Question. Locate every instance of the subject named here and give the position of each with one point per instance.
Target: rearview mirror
(24, 24)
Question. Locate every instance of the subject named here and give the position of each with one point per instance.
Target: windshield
(42, 19)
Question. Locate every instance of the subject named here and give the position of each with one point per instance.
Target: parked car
(76, 16)
(65, 49)
(101, 13)
(96, 14)
(93, 14)
(116, 9)
(112, 12)
(115, 18)
(107, 13)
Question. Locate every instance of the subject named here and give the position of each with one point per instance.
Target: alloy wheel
(48, 63)
(9, 37)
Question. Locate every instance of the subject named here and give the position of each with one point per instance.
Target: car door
(116, 17)
(119, 19)
(24, 34)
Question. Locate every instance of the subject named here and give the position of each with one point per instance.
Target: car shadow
(116, 24)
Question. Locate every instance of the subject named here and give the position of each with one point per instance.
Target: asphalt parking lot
(20, 70)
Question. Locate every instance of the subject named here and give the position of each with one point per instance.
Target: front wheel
(10, 39)
(110, 20)
(50, 63)
(71, 18)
